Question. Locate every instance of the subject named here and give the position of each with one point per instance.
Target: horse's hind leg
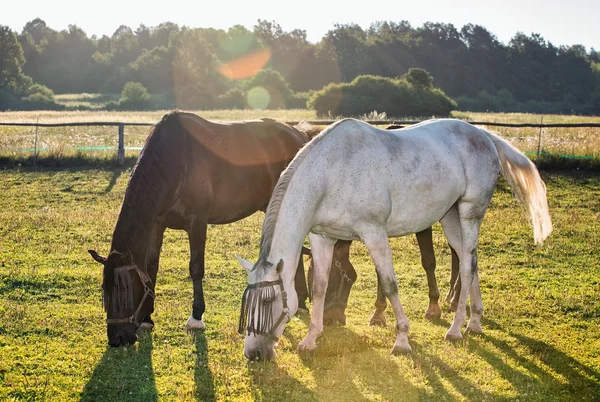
(378, 316)
(378, 245)
(470, 218)
(454, 291)
(425, 241)
(152, 258)
(322, 253)
(197, 238)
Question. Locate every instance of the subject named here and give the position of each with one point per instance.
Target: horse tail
(527, 185)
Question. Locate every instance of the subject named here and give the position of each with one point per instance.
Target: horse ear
(247, 265)
(279, 266)
(98, 258)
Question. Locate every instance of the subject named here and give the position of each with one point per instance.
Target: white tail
(528, 187)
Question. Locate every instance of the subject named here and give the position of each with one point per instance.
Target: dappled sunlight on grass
(541, 340)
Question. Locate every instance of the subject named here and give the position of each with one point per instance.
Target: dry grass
(562, 141)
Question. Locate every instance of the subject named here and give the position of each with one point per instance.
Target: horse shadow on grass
(203, 378)
(541, 370)
(347, 366)
(113, 175)
(123, 374)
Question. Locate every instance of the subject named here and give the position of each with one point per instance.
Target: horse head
(126, 294)
(266, 309)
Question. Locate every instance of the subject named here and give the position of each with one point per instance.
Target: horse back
(233, 168)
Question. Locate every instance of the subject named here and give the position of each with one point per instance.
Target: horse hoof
(477, 330)
(193, 324)
(433, 315)
(377, 321)
(451, 337)
(401, 350)
(307, 347)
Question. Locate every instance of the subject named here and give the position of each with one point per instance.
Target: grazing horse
(342, 276)
(357, 182)
(190, 173)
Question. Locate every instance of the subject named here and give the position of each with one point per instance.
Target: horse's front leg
(425, 241)
(197, 239)
(152, 258)
(378, 245)
(322, 253)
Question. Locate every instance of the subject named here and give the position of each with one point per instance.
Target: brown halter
(148, 286)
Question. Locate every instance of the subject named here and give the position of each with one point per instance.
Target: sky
(566, 22)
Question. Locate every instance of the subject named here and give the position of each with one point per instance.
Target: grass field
(541, 342)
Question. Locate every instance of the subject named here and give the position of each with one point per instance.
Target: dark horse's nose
(121, 336)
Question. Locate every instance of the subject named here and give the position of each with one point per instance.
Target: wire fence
(568, 140)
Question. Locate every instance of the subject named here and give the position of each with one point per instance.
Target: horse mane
(310, 130)
(150, 179)
(272, 212)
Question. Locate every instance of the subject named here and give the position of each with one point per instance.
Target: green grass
(541, 342)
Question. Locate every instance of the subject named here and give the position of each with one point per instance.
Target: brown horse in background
(190, 173)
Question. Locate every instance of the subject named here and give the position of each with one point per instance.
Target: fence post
(121, 151)
(539, 148)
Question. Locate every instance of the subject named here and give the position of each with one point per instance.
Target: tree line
(184, 66)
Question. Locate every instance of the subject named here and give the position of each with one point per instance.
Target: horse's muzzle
(260, 354)
(119, 335)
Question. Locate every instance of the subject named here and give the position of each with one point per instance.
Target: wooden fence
(121, 127)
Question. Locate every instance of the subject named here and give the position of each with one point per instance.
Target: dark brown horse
(190, 173)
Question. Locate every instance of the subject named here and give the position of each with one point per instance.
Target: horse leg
(322, 254)
(451, 225)
(378, 316)
(378, 245)
(470, 218)
(301, 288)
(454, 292)
(425, 241)
(152, 258)
(342, 276)
(197, 239)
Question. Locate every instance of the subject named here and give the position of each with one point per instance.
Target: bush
(134, 96)
(40, 91)
(395, 97)
(298, 100)
(281, 95)
(235, 98)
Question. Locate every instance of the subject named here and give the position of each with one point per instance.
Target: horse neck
(288, 238)
(152, 181)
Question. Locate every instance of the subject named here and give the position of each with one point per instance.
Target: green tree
(419, 78)
(12, 79)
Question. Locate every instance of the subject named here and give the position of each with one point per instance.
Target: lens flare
(259, 98)
(246, 66)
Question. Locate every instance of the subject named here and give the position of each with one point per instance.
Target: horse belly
(422, 204)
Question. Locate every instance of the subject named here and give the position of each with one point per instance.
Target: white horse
(357, 182)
